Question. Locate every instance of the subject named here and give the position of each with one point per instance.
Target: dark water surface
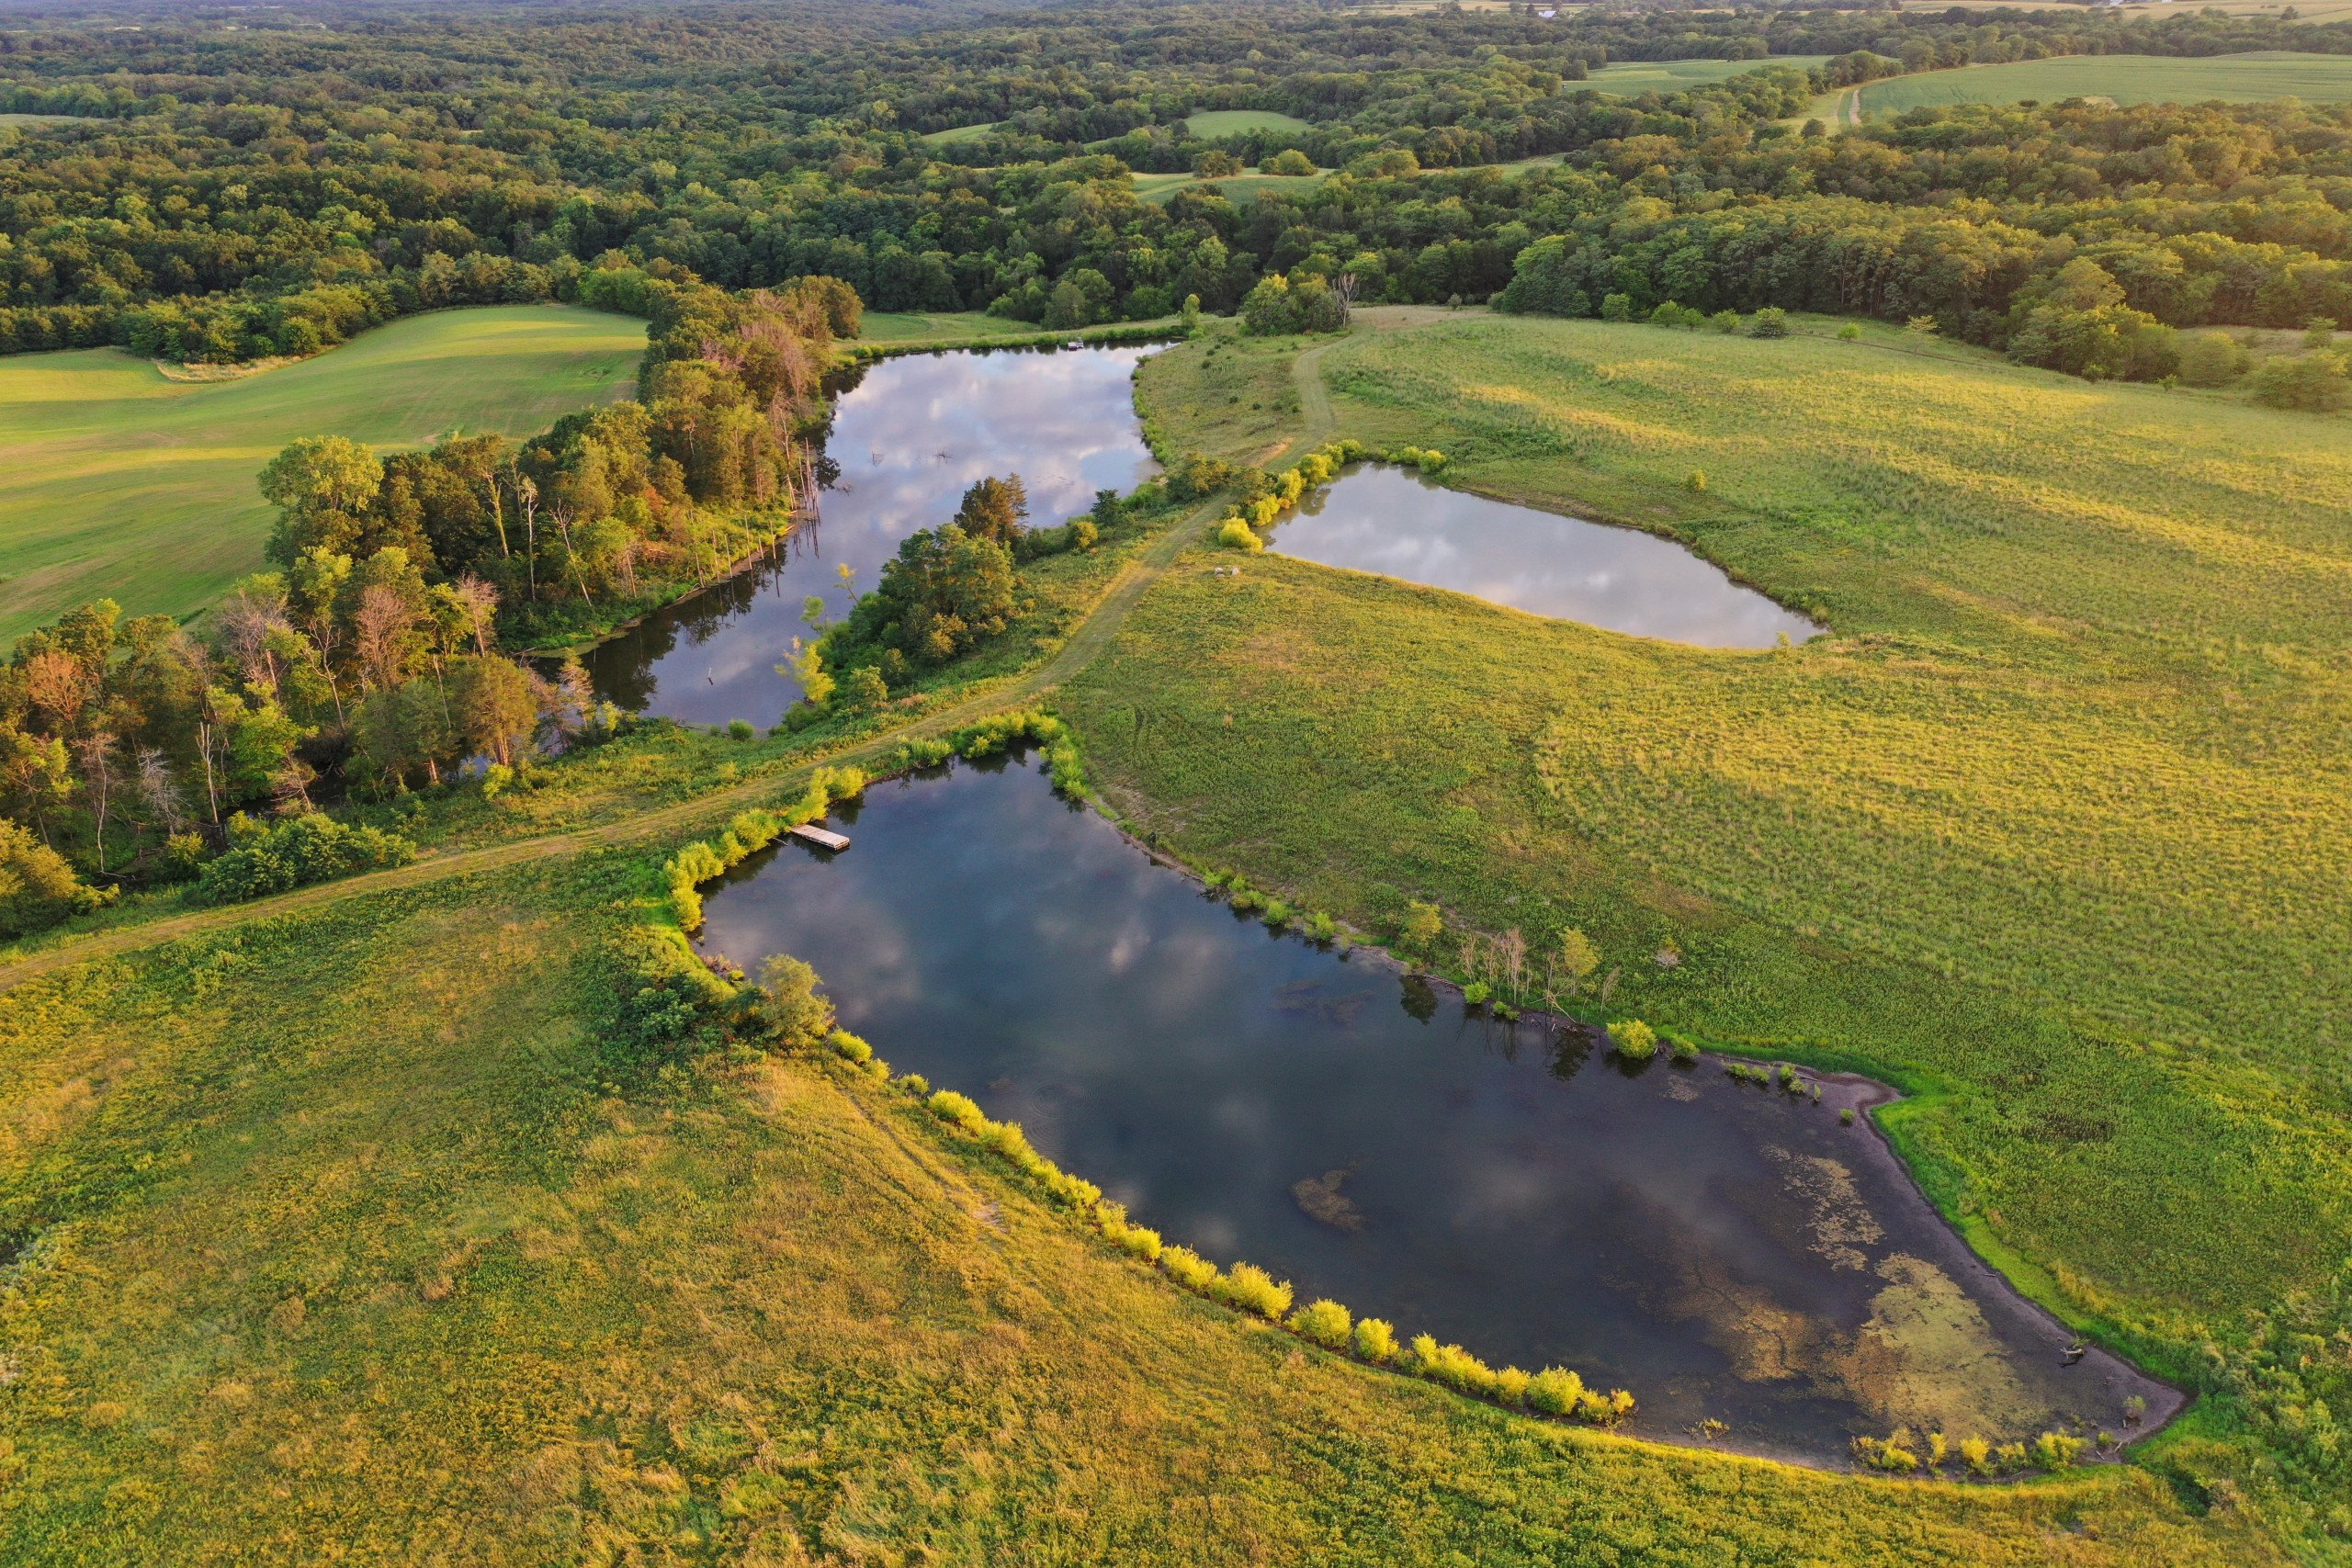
(1396, 523)
(1720, 1251)
(909, 434)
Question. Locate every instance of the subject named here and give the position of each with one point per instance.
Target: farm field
(129, 484)
(1630, 76)
(1211, 124)
(960, 133)
(1920, 843)
(2126, 78)
(1238, 189)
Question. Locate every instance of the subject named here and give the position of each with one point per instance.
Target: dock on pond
(823, 837)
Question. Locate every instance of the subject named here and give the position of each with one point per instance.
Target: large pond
(1724, 1251)
(907, 435)
(1399, 524)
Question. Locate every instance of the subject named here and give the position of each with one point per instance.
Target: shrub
(949, 1106)
(1327, 1323)
(2315, 383)
(1633, 1040)
(2056, 1450)
(1476, 993)
(1141, 1241)
(739, 729)
(1696, 481)
(1685, 1048)
(1512, 1385)
(1849, 332)
(38, 889)
(1605, 1409)
(1617, 308)
(1770, 321)
(1188, 1268)
(1251, 1289)
(1556, 1391)
(849, 1047)
(793, 1013)
(1083, 534)
(309, 849)
(1725, 321)
(916, 1084)
(1375, 1340)
(1977, 1455)
(1846, 1117)
(1289, 161)
(2213, 359)
(1322, 928)
(862, 690)
(1452, 1367)
(1235, 535)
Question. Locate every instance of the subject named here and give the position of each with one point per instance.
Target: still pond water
(1399, 524)
(909, 434)
(1723, 1251)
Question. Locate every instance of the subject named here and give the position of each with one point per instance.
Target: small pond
(1725, 1251)
(909, 434)
(1399, 524)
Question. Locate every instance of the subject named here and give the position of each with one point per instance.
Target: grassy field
(2057, 821)
(960, 133)
(1212, 124)
(1239, 189)
(2126, 78)
(1633, 77)
(126, 483)
(359, 1228)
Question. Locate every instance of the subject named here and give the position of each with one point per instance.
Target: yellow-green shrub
(1251, 1289)
(1376, 1340)
(1556, 1391)
(1327, 1323)
(1188, 1268)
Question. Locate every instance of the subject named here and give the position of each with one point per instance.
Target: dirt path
(1090, 638)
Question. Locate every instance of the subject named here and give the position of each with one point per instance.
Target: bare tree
(162, 795)
(379, 632)
(95, 751)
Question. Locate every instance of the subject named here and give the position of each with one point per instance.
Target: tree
(322, 487)
(995, 509)
(794, 1013)
(864, 690)
(496, 706)
(1422, 925)
(38, 889)
(1577, 958)
(1289, 161)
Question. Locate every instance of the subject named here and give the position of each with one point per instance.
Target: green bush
(1235, 535)
(313, 847)
(2056, 1450)
(1633, 1040)
(1326, 1323)
(1251, 1289)
(1376, 1340)
(849, 1047)
(1188, 1268)
(1770, 321)
(1556, 1391)
(37, 888)
(739, 729)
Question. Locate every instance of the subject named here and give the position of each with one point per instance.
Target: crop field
(1631, 77)
(2126, 78)
(1925, 841)
(390, 1224)
(1211, 124)
(126, 483)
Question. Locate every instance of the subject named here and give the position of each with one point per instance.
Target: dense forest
(236, 191)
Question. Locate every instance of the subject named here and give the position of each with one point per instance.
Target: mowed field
(122, 482)
(2053, 825)
(1211, 124)
(2126, 78)
(1632, 76)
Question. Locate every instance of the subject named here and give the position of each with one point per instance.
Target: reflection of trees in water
(622, 669)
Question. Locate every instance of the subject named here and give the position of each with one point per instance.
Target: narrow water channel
(1725, 1251)
(1401, 525)
(909, 434)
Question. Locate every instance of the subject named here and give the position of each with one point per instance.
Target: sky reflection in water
(1402, 525)
(1724, 1251)
(908, 437)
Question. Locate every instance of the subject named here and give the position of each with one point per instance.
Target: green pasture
(1632, 76)
(2126, 78)
(1239, 189)
(1211, 124)
(960, 133)
(2057, 818)
(124, 483)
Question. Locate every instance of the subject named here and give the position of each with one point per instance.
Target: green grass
(1633, 77)
(1212, 124)
(34, 119)
(2059, 820)
(352, 1229)
(2126, 78)
(960, 133)
(126, 484)
(1239, 189)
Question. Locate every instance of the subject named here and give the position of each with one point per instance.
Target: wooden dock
(823, 837)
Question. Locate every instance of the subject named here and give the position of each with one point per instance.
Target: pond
(1725, 1251)
(1399, 524)
(908, 433)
